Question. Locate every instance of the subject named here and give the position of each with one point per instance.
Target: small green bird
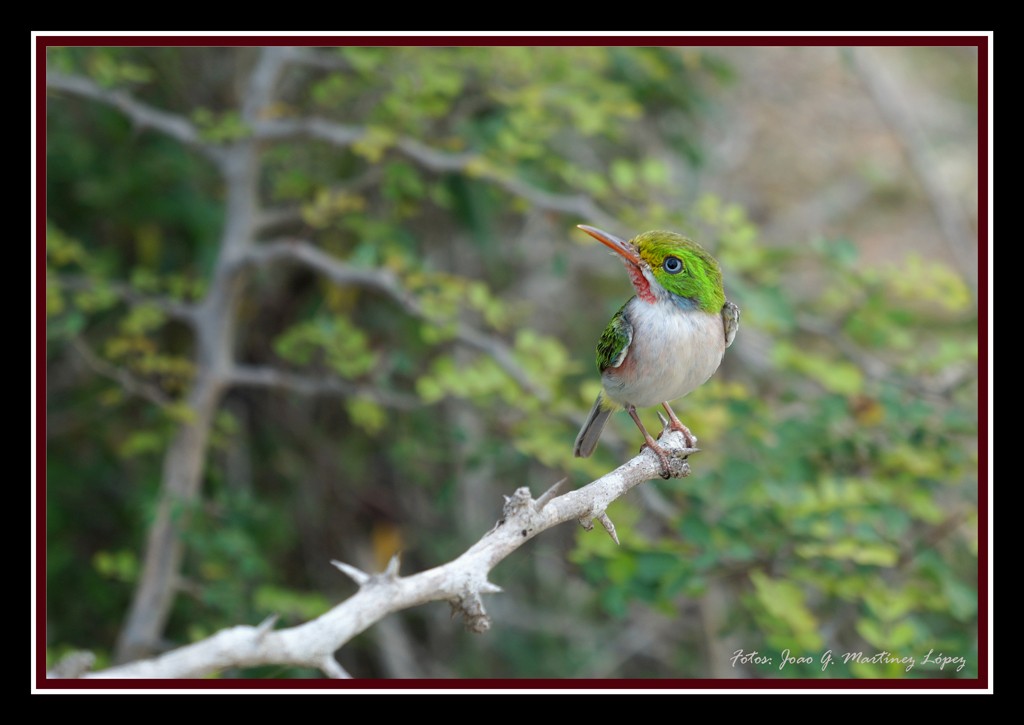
(665, 341)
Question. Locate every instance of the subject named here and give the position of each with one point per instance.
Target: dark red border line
(40, 391)
(505, 40)
(983, 361)
(526, 684)
(983, 679)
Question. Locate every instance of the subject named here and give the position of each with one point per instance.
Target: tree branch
(270, 217)
(461, 582)
(214, 326)
(303, 56)
(264, 77)
(467, 162)
(122, 377)
(389, 284)
(268, 377)
(141, 114)
(342, 135)
(181, 311)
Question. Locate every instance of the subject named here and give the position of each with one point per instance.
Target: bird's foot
(666, 469)
(690, 438)
(676, 424)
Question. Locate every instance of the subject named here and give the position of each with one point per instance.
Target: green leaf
(873, 633)
(120, 565)
(142, 442)
(624, 174)
(142, 319)
(859, 552)
(962, 599)
(220, 128)
(655, 565)
(290, 604)
(835, 376)
(694, 529)
(367, 414)
(785, 602)
(334, 340)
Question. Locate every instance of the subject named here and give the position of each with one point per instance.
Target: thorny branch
(460, 582)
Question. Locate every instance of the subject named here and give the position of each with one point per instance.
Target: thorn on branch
(663, 419)
(608, 526)
(331, 668)
(518, 501)
(490, 588)
(678, 452)
(359, 576)
(541, 502)
(265, 626)
(391, 572)
(471, 607)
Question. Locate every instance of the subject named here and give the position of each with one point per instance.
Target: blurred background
(308, 304)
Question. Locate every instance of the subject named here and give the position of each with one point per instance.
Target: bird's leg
(651, 443)
(691, 439)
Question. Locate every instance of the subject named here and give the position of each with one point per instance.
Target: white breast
(673, 352)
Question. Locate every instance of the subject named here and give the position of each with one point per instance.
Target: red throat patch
(640, 283)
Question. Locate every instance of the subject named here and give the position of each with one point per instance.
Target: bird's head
(666, 265)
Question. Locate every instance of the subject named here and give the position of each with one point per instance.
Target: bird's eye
(672, 265)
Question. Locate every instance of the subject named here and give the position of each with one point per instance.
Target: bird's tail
(586, 441)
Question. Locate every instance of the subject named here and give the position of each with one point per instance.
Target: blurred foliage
(834, 505)
(845, 500)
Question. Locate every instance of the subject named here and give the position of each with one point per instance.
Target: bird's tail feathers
(586, 441)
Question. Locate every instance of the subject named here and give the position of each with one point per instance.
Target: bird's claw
(675, 424)
(666, 469)
(689, 438)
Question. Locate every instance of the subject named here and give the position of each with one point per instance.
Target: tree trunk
(182, 476)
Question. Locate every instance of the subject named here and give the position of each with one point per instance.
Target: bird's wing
(614, 342)
(731, 318)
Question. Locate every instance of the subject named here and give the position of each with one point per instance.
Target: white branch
(460, 582)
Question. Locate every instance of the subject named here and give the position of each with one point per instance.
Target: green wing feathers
(611, 351)
(614, 342)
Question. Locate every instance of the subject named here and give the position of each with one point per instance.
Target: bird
(665, 341)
